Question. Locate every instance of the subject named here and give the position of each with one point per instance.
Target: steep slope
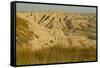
(61, 28)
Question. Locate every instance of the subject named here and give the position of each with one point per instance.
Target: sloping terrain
(53, 37)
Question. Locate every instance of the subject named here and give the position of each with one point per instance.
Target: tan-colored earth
(55, 36)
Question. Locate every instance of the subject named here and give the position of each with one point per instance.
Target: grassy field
(55, 54)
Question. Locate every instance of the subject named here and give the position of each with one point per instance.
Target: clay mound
(48, 29)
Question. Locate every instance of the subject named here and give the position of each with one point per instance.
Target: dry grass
(55, 54)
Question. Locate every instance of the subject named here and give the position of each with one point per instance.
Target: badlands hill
(66, 37)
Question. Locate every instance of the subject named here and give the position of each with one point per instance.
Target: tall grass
(55, 54)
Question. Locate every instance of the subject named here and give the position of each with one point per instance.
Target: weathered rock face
(47, 29)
